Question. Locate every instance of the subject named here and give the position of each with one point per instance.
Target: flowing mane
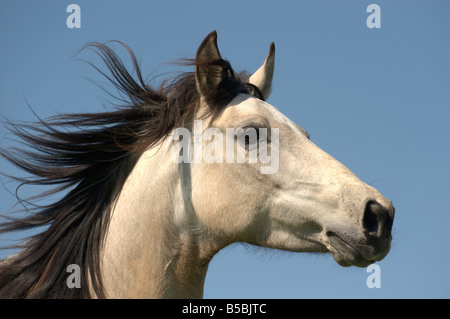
(88, 157)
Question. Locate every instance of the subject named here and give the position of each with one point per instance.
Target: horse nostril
(370, 218)
(377, 218)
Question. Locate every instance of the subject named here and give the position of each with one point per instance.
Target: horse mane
(87, 158)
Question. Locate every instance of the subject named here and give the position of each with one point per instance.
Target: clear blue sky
(378, 100)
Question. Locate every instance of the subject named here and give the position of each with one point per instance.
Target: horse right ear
(209, 71)
(262, 78)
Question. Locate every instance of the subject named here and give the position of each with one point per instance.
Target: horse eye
(248, 131)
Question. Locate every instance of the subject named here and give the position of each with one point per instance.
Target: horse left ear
(208, 74)
(262, 78)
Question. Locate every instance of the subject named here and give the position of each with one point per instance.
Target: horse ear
(262, 78)
(208, 74)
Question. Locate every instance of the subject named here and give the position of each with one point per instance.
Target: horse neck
(153, 247)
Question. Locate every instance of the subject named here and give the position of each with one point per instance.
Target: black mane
(88, 157)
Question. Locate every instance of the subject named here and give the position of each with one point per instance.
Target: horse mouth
(346, 254)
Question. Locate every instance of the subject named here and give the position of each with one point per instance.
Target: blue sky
(378, 100)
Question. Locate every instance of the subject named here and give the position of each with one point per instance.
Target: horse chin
(346, 255)
(347, 261)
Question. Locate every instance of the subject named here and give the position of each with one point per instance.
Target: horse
(138, 223)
